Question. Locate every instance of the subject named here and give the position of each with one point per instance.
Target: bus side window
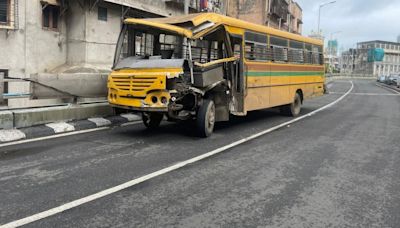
(296, 52)
(236, 50)
(308, 54)
(279, 49)
(249, 50)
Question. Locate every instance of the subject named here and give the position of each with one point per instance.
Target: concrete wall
(76, 26)
(81, 42)
(92, 41)
(102, 36)
(249, 10)
(29, 48)
(257, 11)
(24, 44)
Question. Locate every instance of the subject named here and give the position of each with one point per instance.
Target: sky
(352, 21)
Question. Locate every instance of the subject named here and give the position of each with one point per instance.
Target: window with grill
(308, 54)
(317, 55)
(279, 49)
(51, 14)
(256, 47)
(296, 52)
(4, 11)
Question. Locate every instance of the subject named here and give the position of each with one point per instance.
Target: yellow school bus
(206, 67)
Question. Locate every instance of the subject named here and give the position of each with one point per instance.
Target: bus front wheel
(294, 108)
(206, 118)
(152, 120)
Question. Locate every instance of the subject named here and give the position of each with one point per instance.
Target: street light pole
(319, 14)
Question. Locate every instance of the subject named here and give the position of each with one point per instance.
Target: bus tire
(294, 108)
(205, 120)
(152, 120)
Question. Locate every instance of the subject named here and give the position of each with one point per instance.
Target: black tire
(152, 120)
(294, 108)
(206, 118)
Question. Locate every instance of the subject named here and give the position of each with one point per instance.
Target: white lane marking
(61, 127)
(100, 122)
(131, 117)
(52, 136)
(136, 181)
(368, 94)
(384, 87)
(11, 135)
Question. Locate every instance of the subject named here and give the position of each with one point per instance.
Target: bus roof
(199, 18)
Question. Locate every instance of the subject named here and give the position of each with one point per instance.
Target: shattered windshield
(140, 44)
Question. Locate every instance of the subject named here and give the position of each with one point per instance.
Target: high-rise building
(332, 48)
(398, 39)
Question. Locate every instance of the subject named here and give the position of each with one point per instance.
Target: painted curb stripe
(100, 122)
(11, 135)
(61, 127)
(131, 117)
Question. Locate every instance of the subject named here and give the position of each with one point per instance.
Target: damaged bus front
(167, 70)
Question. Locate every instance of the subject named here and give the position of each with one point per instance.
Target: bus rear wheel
(294, 108)
(206, 118)
(152, 120)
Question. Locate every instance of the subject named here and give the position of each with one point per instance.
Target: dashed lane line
(109, 191)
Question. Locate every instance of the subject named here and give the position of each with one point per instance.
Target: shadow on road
(188, 128)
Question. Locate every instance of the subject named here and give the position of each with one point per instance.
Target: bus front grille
(134, 83)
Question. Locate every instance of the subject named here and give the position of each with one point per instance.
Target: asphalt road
(337, 168)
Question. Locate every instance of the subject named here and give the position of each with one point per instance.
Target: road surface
(336, 168)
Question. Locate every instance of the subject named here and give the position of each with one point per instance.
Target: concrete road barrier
(37, 116)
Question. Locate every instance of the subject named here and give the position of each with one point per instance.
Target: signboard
(376, 55)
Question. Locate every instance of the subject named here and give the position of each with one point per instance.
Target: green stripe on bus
(271, 73)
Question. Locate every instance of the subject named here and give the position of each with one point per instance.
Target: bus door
(238, 79)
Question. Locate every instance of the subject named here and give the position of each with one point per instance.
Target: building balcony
(279, 9)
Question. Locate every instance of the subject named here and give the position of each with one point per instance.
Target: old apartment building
(281, 14)
(367, 64)
(70, 36)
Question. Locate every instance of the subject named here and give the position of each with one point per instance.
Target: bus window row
(281, 50)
